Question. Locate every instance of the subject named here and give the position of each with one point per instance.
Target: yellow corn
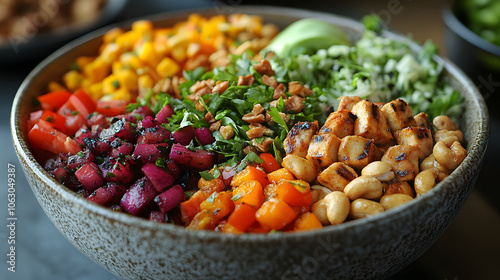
(142, 26)
(127, 78)
(55, 86)
(179, 54)
(167, 67)
(110, 84)
(122, 94)
(73, 80)
(97, 70)
(95, 91)
(148, 55)
(145, 82)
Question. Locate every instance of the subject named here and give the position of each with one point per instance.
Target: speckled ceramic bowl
(135, 248)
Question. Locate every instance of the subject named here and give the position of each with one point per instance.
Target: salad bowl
(134, 248)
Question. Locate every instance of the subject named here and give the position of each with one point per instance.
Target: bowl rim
(25, 154)
(454, 24)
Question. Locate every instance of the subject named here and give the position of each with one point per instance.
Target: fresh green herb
(115, 84)
(237, 196)
(276, 117)
(211, 198)
(81, 154)
(250, 158)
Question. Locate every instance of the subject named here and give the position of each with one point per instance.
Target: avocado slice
(306, 36)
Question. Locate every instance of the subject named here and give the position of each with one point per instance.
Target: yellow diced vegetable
(112, 35)
(167, 67)
(179, 54)
(122, 94)
(97, 70)
(127, 78)
(73, 80)
(95, 91)
(110, 53)
(110, 84)
(54, 86)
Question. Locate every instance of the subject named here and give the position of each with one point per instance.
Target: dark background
(467, 250)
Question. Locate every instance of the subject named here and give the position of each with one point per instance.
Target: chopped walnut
(279, 91)
(197, 61)
(200, 88)
(256, 130)
(209, 118)
(270, 81)
(249, 149)
(251, 118)
(226, 131)
(264, 145)
(220, 87)
(168, 85)
(264, 68)
(257, 109)
(246, 80)
(294, 104)
(269, 120)
(199, 106)
(297, 89)
(215, 126)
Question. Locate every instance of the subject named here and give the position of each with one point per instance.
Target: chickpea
(319, 210)
(337, 207)
(361, 208)
(380, 170)
(227, 132)
(364, 187)
(425, 181)
(390, 201)
(449, 157)
(444, 122)
(319, 192)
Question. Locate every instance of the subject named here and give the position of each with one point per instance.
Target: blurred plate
(42, 44)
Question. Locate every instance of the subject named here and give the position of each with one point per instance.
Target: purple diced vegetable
(108, 194)
(90, 176)
(204, 135)
(140, 194)
(198, 159)
(165, 113)
(148, 152)
(159, 177)
(170, 198)
(184, 136)
(154, 135)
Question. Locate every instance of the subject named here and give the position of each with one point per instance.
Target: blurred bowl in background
(476, 56)
(32, 38)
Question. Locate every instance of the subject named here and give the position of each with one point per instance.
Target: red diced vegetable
(98, 119)
(43, 136)
(53, 100)
(204, 135)
(165, 113)
(143, 111)
(90, 176)
(108, 194)
(184, 136)
(157, 216)
(124, 148)
(140, 194)
(80, 158)
(149, 122)
(199, 159)
(111, 108)
(34, 117)
(170, 198)
(154, 135)
(118, 172)
(74, 123)
(269, 163)
(148, 152)
(159, 177)
(82, 102)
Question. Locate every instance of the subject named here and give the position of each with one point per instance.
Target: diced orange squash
(250, 173)
(280, 174)
(214, 185)
(275, 214)
(218, 204)
(191, 207)
(307, 221)
(242, 217)
(250, 192)
(294, 192)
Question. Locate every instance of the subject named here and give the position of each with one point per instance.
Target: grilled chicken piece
(298, 138)
(371, 123)
(337, 176)
(346, 102)
(398, 114)
(422, 120)
(323, 150)
(340, 123)
(419, 137)
(403, 160)
(357, 151)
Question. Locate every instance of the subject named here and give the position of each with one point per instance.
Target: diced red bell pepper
(43, 136)
(53, 100)
(90, 176)
(82, 102)
(111, 108)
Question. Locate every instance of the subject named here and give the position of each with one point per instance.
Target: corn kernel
(142, 26)
(122, 94)
(95, 91)
(179, 54)
(110, 53)
(73, 80)
(145, 82)
(97, 70)
(110, 84)
(112, 35)
(127, 78)
(147, 54)
(55, 86)
(167, 67)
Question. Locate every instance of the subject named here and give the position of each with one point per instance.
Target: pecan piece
(227, 132)
(264, 68)
(294, 104)
(270, 81)
(220, 87)
(264, 145)
(246, 80)
(297, 89)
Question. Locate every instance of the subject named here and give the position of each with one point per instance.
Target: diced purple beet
(148, 122)
(184, 136)
(148, 152)
(60, 160)
(121, 129)
(82, 157)
(97, 146)
(198, 159)
(157, 216)
(124, 148)
(118, 172)
(90, 176)
(138, 196)
(170, 198)
(154, 135)
(128, 117)
(143, 111)
(108, 194)
(159, 177)
(166, 112)
(173, 168)
(204, 135)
